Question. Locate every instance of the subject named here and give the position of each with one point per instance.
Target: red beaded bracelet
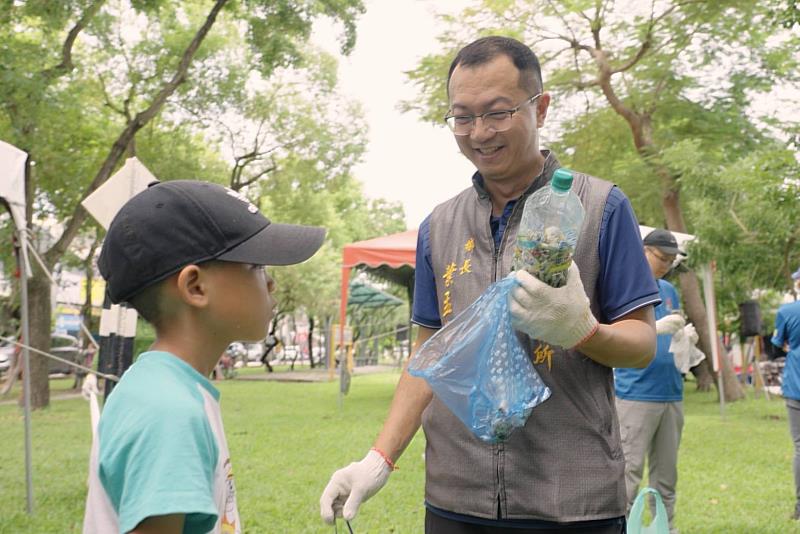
(386, 458)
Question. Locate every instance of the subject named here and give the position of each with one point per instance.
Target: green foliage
(674, 118)
(748, 216)
(734, 472)
(75, 75)
(67, 110)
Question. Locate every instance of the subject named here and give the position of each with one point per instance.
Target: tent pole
(26, 368)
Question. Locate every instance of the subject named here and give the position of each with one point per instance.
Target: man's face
(660, 262)
(510, 155)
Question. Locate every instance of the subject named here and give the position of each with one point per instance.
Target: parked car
(6, 356)
(67, 347)
(61, 345)
(254, 351)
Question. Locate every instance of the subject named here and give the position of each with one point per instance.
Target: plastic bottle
(549, 229)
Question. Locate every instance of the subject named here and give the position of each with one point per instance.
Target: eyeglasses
(663, 259)
(497, 121)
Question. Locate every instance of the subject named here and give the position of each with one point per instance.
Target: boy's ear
(192, 286)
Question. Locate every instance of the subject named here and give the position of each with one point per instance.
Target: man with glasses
(564, 471)
(650, 400)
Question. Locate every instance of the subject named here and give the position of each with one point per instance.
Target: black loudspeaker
(750, 316)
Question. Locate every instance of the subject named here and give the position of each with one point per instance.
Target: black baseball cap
(664, 241)
(173, 224)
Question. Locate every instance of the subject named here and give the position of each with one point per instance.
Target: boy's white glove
(670, 324)
(352, 485)
(691, 333)
(89, 386)
(559, 316)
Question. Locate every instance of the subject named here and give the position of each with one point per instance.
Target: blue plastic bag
(660, 523)
(478, 368)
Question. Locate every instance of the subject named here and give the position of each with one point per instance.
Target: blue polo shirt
(660, 381)
(625, 281)
(787, 330)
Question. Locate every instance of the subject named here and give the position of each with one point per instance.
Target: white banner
(105, 201)
(12, 180)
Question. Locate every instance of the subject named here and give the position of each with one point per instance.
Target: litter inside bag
(478, 368)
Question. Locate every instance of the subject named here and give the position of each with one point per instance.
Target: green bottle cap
(562, 180)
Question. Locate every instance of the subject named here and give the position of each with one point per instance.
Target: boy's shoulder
(158, 388)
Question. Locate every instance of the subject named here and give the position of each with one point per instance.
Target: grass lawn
(287, 438)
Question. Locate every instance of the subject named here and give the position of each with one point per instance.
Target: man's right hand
(352, 485)
(670, 324)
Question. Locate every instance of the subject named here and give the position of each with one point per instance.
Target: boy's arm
(161, 524)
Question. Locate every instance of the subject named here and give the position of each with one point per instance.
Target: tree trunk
(690, 289)
(641, 127)
(695, 310)
(39, 313)
(39, 297)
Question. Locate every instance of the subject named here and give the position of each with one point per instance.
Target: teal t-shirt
(160, 445)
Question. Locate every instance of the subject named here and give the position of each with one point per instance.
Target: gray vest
(566, 464)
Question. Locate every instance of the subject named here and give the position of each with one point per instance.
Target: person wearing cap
(189, 257)
(564, 470)
(650, 400)
(787, 337)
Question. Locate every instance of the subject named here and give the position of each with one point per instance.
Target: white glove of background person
(89, 386)
(691, 333)
(353, 485)
(559, 316)
(670, 324)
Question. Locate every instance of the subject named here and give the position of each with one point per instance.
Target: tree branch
(139, 121)
(107, 97)
(646, 44)
(738, 221)
(258, 176)
(66, 64)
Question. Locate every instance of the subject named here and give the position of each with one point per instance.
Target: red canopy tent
(392, 257)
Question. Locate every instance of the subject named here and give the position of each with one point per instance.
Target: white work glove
(691, 333)
(353, 485)
(559, 316)
(89, 386)
(670, 324)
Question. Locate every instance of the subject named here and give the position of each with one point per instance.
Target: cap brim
(278, 244)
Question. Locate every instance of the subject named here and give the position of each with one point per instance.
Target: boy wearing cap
(189, 257)
(787, 337)
(650, 400)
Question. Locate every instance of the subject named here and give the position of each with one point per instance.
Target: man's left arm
(629, 341)
(627, 292)
(562, 316)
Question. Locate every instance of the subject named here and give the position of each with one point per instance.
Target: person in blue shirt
(650, 400)
(787, 337)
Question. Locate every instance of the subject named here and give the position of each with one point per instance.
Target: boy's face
(241, 301)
